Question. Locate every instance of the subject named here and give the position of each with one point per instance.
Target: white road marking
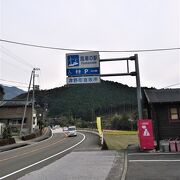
(27, 167)
(156, 160)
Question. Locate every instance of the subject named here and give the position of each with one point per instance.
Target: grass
(117, 140)
(116, 132)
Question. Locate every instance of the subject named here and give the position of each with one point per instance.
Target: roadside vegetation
(86, 102)
(118, 140)
(80, 105)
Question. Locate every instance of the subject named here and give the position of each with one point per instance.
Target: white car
(72, 131)
(65, 129)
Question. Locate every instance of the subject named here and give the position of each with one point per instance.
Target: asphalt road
(153, 166)
(18, 162)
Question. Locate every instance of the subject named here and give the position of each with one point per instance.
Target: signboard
(83, 80)
(82, 60)
(83, 68)
(146, 137)
(83, 71)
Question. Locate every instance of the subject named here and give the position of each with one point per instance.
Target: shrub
(4, 142)
(121, 122)
(29, 136)
(7, 133)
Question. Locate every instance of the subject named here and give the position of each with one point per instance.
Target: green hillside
(83, 101)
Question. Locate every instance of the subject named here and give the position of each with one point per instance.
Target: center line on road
(50, 157)
(32, 151)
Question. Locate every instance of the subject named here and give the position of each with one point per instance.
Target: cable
(171, 85)
(15, 57)
(13, 65)
(69, 49)
(13, 81)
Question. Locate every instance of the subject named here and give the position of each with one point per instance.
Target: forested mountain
(11, 92)
(83, 101)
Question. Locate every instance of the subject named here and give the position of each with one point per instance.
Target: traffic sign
(83, 68)
(83, 71)
(82, 60)
(72, 60)
(83, 80)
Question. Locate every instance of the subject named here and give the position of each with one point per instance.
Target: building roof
(14, 103)
(162, 95)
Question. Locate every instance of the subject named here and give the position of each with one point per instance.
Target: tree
(120, 122)
(1, 92)
(7, 133)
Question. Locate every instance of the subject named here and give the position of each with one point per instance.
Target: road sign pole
(136, 73)
(139, 94)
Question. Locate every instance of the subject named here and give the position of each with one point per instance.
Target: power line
(13, 65)
(15, 57)
(71, 49)
(13, 81)
(171, 85)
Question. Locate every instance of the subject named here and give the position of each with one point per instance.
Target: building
(11, 114)
(163, 108)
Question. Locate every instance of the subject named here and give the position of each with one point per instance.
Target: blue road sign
(73, 60)
(83, 71)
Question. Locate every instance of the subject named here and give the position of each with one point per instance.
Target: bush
(4, 142)
(7, 133)
(29, 136)
(121, 122)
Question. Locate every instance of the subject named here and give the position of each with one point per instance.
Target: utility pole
(33, 99)
(25, 108)
(32, 78)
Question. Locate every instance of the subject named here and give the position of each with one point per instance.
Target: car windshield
(71, 129)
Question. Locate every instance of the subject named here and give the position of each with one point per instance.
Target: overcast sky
(89, 24)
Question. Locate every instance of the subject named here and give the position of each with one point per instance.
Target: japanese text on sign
(83, 80)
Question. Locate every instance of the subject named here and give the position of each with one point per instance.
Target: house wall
(16, 112)
(166, 128)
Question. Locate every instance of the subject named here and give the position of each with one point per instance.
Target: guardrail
(95, 132)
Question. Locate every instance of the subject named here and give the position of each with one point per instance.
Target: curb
(29, 142)
(12, 146)
(123, 177)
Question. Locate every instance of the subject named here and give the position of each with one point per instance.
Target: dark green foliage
(8, 141)
(1, 89)
(88, 101)
(123, 122)
(29, 136)
(1, 92)
(7, 133)
(40, 124)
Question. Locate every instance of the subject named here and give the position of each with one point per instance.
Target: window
(175, 114)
